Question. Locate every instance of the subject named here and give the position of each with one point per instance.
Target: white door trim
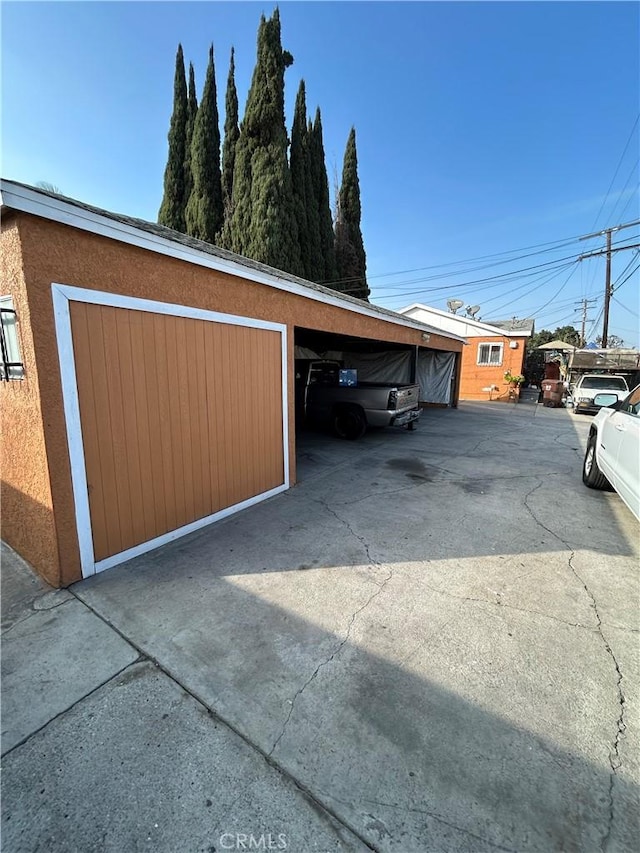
(63, 294)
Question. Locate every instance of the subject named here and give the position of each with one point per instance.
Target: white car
(587, 386)
(613, 449)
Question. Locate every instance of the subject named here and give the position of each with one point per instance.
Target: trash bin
(552, 392)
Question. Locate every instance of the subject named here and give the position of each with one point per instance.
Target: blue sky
(483, 129)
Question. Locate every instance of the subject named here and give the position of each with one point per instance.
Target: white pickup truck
(590, 384)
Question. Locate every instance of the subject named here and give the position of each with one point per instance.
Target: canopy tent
(563, 346)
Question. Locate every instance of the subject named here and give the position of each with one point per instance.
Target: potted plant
(513, 379)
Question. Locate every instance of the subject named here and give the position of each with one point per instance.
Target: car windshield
(613, 382)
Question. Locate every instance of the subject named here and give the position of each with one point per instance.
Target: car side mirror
(605, 400)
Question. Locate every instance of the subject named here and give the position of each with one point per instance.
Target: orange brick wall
(476, 377)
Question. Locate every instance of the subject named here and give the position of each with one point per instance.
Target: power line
(533, 289)
(512, 275)
(615, 174)
(626, 307)
(630, 199)
(554, 244)
(607, 285)
(631, 262)
(595, 323)
(633, 169)
(450, 274)
(633, 271)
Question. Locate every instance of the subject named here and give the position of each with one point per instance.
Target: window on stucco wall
(11, 366)
(490, 354)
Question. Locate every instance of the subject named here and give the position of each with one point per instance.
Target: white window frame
(490, 363)
(12, 364)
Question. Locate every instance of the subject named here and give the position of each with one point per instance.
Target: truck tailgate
(408, 397)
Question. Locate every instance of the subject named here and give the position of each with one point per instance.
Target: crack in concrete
(143, 655)
(499, 603)
(326, 662)
(615, 760)
(140, 659)
(352, 619)
(578, 450)
(433, 815)
(33, 611)
(455, 478)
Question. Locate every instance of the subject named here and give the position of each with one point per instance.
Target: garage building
(149, 379)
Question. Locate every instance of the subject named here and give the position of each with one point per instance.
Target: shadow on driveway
(424, 635)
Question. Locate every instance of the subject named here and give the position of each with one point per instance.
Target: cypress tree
(171, 211)
(231, 134)
(192, 109)
(328, 270)
(302, 192)
(203, 213)
(350, 255)
(262, 224)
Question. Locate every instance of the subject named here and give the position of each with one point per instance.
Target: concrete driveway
(430, 644)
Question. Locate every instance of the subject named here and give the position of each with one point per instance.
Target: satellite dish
(472, 310)
(454, 304)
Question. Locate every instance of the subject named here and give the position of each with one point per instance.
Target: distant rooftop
(513, 325)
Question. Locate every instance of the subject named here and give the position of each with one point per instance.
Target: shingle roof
(513, 325)
(224, 254)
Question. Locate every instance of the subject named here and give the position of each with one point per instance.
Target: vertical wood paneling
(130, 462)
(156, 352)
(203, 463)
(118, 426)
(174, 449)
(152, 508)
(180, 418)
(87, 380)
(101, 468)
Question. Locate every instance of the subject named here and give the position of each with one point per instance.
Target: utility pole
(585, 307)
(607, 286)
(607, 294)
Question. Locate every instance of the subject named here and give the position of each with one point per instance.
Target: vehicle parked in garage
(613, 449)
(330, 395)
(591, 384)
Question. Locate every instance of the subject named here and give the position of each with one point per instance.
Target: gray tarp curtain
(371, 366)
(380, 366)
(435, 370)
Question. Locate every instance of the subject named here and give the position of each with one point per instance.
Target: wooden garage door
(180, 418)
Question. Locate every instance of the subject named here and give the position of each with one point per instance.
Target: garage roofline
(164, 241)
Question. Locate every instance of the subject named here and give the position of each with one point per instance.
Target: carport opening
(373, 361)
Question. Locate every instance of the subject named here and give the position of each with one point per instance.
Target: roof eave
(20, 197)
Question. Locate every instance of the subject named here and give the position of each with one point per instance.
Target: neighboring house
(493, 349)
(149, 379)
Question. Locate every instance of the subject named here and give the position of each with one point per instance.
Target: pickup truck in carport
(327, 395)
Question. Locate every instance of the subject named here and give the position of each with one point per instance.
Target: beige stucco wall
(52, 252)
(27, 517)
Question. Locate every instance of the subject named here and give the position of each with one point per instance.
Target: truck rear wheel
(349, 422)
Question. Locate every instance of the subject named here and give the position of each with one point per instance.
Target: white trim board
(31, 201)
(62, 295)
